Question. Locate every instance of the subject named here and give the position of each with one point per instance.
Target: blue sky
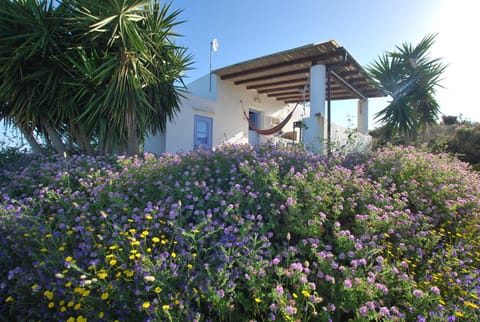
(366, 28)
(249, 29)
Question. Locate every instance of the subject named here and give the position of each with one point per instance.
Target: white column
(314, 136)
(362, 116)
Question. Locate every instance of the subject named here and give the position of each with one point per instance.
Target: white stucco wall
(223, 105)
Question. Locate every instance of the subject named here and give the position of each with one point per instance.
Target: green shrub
(242, 233)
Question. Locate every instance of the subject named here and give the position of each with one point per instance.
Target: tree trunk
(133, 142)
(27, 133)
(84, 140)
(54, 138)
(132, 135)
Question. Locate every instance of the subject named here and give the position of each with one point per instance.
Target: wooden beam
(279, 75)
(281, 89)
(270, 67)
(291, 93)
(279, 83)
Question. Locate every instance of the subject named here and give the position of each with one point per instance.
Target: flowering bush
(242, 233)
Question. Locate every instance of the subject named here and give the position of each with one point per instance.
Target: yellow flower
(51, 305)
(148, 217)
(470, 304)
(305, 293)
(174, 255)
(81, 319)
(71, 319)
(9, 299)
(189, 266)
(101, 315)
(459, 314)
(258, 300)
(77, 306)
(104, 296)
(146, 305)
(166, 307)
(294, 295)
(102, 274)
(158, 289)
(69, 259)
(48, 294)
(113, 262)
(135, 243)
(155, 239)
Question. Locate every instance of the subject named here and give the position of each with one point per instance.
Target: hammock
(272, 130)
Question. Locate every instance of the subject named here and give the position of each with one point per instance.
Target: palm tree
(87, 71)
(30, 36)
(129, 69)
(410, 77)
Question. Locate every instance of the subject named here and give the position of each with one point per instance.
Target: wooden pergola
(285, 75)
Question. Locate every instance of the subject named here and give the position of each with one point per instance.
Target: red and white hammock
(273, 130)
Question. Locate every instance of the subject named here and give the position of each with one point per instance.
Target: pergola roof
(285, 75)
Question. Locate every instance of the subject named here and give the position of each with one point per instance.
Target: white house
(268, 89)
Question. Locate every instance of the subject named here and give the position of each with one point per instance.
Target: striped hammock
(273, 130)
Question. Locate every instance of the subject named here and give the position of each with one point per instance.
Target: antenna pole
(213, 47)
(210, 84)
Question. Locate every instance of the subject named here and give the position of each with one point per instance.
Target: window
(202, 132)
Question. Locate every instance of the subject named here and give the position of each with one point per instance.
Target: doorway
(253, 137)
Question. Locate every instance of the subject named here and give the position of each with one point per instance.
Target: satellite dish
(215, 44)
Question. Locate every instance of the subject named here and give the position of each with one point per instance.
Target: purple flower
(370, 305)
(347, 283)
(291, 202)
(435, 290)
(363, 310)
(290, 310)
(330, 278)
(279, 290)
(420, 318)
(417, 293)
(384, 311)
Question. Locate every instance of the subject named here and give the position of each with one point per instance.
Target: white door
(253, 137)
